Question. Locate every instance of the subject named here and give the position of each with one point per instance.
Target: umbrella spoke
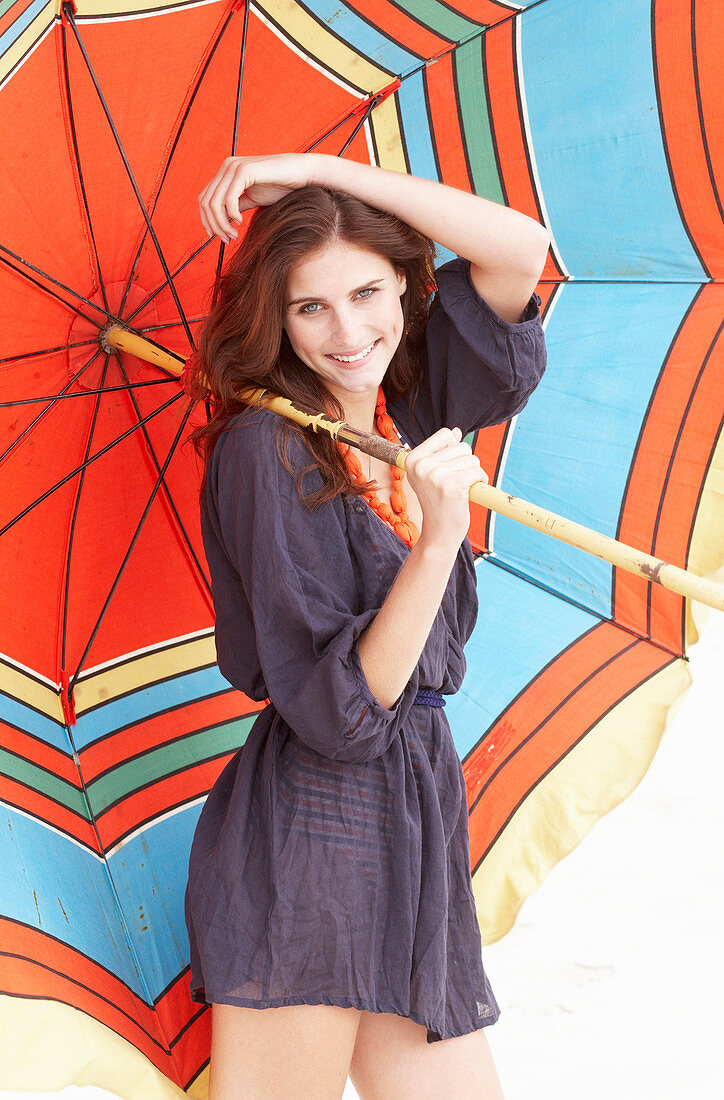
(170, 324)
(45, 411)
(166, 489)
(42, 353)
(128, 553)
(108, 447)
(71, 121)
(55, 282)
(235, 135)
(164, 284)
(74, 517)
(68, 12)
(63, 396)
(211, 50)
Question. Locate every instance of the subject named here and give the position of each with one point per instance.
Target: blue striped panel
(150, 872)
(363, 38)
(147, 701)
(591, 98)
(43, 873)
(23, 717)
(508, 648)
(416, 127)
(574, 443)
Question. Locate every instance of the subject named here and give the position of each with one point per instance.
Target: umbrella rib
(76, 154)
(76, 505)
(166, 489)
(235, 134)
(85, 393)
(113, 443)
(161, 286)
(128, 553)
(56, 282)
(211, 51)
(43, 353)
(63, 393)
(68, 12)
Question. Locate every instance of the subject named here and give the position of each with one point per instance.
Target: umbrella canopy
(599, 119)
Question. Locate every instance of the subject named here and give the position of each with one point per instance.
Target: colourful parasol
(603, 121)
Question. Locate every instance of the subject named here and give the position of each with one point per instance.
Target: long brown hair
(243, 343)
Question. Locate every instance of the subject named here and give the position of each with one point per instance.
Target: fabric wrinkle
(331, 859)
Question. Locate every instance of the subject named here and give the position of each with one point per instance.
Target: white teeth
(354, 358)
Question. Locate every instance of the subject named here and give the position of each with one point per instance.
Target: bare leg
(393, 1059)
(300, 1051)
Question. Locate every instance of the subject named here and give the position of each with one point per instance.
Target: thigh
(392, 1058)
(302, 1051)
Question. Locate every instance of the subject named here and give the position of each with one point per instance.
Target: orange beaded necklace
(396, 516)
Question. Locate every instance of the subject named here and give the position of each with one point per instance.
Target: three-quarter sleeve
(479, 370)
(298, 578)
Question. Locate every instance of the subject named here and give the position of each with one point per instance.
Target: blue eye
(368, 290)
(308, 308)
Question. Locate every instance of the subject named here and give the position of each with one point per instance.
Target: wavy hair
(242, 342)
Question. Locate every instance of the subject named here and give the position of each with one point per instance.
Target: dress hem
(199, 996)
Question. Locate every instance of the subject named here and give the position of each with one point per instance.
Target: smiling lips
(355, 358)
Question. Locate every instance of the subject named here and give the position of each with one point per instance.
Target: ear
(401, 282)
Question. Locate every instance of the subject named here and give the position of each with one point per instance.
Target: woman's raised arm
(507, 250)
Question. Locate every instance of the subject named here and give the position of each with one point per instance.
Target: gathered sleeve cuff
(479, 370)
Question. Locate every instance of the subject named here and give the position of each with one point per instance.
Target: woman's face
(343, 316)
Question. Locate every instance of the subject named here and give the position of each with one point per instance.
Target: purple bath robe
(331, 861)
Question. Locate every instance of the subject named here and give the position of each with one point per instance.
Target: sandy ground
(610, 982)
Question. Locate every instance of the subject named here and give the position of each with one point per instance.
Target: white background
(610, 984)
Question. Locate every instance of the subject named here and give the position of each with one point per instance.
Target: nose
(345, 329)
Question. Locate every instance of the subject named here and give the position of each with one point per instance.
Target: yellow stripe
(313, 38)
(98, 8)
(706, 552)
(14, 54)
(48, 1045)
(593, 778)
(41, 697)
(388, 139)
(108, 683)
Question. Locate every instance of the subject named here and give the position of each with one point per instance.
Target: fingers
(220, 202)
(445, 453)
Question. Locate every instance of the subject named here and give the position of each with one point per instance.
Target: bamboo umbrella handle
(617, 553)
(611, 550)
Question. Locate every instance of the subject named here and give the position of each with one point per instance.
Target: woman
(329, 878)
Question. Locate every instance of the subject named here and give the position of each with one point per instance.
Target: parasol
(115, 719)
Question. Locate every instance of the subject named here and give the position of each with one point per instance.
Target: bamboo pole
(575, 534)
(601, 546)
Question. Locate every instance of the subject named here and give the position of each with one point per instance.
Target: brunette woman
(329, 906)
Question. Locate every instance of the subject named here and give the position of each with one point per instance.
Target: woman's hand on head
(243, 183)
(440, 471)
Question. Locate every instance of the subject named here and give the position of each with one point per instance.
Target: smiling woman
(329, 877)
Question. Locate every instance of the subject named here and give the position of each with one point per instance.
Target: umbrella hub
(127, 308)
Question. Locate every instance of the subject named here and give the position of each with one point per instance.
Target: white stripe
(513, 421)
(155, 647)
(148, 825)
(52, 829)
(531, 151)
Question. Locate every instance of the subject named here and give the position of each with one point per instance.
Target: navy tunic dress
(331, 861)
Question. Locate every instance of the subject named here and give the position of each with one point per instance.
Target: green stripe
(157, 763)
(44, 782)
(476, 124)
(438, 18)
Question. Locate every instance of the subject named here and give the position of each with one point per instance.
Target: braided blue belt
(426, 697)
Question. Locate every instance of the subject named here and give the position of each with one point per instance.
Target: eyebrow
(319, 298)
